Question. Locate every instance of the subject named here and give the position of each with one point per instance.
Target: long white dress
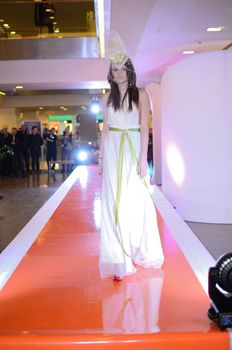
(129, 232)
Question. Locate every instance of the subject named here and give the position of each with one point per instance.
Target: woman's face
(119, 75)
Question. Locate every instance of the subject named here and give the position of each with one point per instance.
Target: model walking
(129, 232)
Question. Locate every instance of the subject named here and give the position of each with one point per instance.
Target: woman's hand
(142, 168)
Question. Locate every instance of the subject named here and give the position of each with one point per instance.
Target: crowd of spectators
(20, 151)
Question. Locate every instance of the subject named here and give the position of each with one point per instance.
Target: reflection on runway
(132, 306)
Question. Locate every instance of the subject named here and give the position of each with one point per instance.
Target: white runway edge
(15, 251)
(196, 254)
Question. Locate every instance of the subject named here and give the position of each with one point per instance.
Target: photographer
(51, 148)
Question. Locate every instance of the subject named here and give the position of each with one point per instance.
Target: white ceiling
(156, 32)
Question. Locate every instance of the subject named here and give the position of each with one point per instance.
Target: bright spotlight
(95, 106)
(82, 156)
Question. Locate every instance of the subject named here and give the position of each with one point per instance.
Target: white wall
(197, 133)
(8, 117)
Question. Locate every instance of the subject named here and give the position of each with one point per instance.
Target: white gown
(134, 236)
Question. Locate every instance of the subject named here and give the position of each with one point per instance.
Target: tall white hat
(116, 50)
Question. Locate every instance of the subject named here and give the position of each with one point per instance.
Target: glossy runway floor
(55, 298)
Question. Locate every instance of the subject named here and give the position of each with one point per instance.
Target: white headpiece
(116, 50)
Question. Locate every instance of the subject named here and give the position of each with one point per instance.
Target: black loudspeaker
(220, 292)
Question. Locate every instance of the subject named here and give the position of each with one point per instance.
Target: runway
(55, 298)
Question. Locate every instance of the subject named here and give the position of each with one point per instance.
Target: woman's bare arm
(104, 131)
(144, 129)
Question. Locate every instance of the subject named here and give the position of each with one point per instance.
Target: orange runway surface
(55, 299)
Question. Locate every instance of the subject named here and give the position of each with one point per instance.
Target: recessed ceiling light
(188, 52)
(41, 108)
(12, 33)
(19, 87)
(6, 25)
(48, 10)
(215, 29)
(1, 20)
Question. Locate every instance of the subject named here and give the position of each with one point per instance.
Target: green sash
(124, 135)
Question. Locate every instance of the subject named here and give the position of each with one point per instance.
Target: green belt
(120, 162)
(125, 134)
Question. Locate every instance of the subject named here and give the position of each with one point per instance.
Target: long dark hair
(114, 98)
